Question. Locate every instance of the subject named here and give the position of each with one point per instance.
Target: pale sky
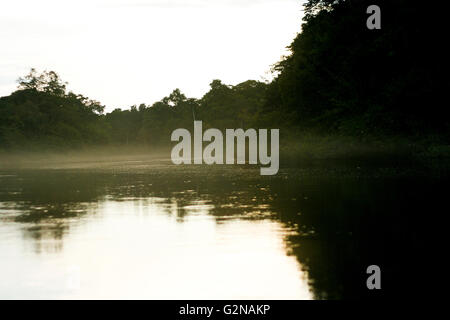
(123, 52)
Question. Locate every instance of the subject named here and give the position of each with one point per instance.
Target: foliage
(344, 78)
(41, 114)
(340, 79)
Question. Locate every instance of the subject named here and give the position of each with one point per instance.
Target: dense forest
(340, 79)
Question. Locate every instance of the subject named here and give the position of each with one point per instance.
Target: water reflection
(137, 236)
(159, 231)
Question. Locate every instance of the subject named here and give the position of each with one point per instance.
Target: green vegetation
(344, 89)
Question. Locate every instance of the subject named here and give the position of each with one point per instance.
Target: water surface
(152, 230)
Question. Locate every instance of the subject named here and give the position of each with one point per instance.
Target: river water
(153, 230)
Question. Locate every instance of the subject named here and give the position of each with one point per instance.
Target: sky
(127, 52)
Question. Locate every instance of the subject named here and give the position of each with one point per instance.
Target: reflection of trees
(46, 203)
(343, 221)
(350, 220)
(40, 233)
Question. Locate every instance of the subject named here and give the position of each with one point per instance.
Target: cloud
(193, 3)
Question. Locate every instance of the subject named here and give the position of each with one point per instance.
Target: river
(153, 230)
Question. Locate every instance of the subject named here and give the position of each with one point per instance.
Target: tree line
(339, 78)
